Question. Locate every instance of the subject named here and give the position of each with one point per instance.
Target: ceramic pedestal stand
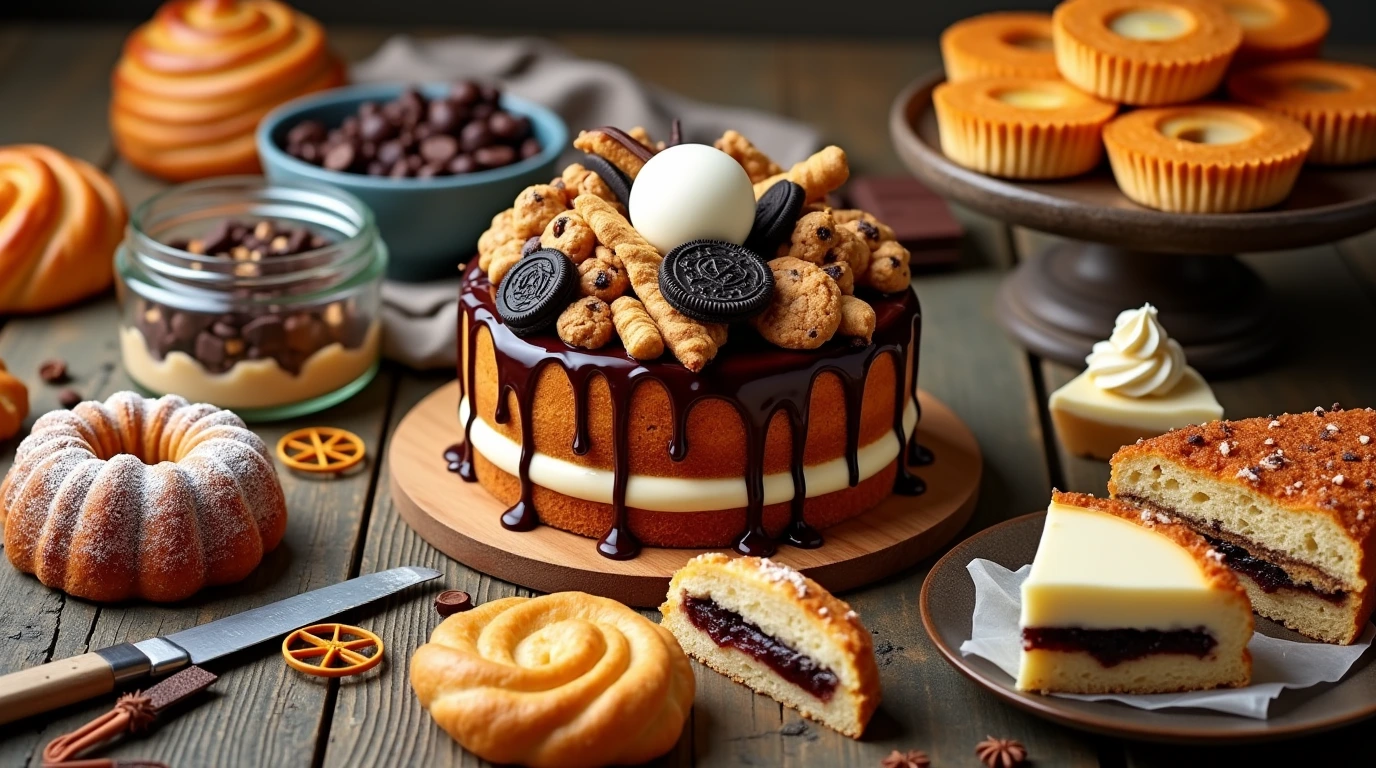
(1060, 301)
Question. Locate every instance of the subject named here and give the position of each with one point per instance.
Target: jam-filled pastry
(1121, 600)
(1145, 52)
(194, 82)
(1206, 157)
(60, 222)
(564, 680)
(771, 628)
(1334, 100)
(1003, 44)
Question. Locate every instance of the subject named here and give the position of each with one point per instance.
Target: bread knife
(59, 683)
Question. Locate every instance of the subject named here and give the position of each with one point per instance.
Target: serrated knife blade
(63, 682)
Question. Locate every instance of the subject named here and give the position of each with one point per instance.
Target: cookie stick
(692, 342)
(637, 330)
(758, 166)
(821, 173)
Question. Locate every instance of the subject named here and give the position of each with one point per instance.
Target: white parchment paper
(1276, 664)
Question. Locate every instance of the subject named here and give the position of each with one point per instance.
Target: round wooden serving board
(463, 521)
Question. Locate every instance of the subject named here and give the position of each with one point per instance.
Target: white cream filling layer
(249, 383)
(674, 494)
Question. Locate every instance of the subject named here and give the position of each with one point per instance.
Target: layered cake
(1137, 384)
(1122, 600)
(1289, 502)
(767, 626)
(600, 394)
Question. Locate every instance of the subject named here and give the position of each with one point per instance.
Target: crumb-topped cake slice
(1290, 501)
(771, 628)
(1122, 600)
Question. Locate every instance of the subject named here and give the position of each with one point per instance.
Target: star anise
(914, 758)
(1001, 753)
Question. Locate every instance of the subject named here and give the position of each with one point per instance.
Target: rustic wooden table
(54, 87)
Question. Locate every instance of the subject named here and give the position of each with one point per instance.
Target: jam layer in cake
(728, 630)
(1124, 600)
(1111, 647)
(1289, 500)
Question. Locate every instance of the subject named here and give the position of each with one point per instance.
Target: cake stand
(1060, 301)
(463, 521)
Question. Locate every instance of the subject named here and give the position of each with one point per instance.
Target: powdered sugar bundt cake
(141, 498)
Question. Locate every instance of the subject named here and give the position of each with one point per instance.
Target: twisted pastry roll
(60, 221)
(14, 403)
(194, 82)
(563, 680)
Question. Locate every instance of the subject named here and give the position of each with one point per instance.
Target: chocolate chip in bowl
(432, 161)
(462, 131)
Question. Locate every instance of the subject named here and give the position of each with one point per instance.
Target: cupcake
(1021, 128)
(1207, 157)
(1144, 52)
(1335, 101)
(999, 45)
(1276, 30)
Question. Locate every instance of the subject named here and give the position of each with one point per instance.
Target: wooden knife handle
(54, 685)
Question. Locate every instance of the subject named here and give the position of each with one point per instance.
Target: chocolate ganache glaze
(758, 379)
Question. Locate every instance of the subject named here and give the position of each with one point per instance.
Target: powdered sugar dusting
(96, 491)
(777, 573)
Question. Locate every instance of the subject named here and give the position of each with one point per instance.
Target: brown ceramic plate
(948, 600)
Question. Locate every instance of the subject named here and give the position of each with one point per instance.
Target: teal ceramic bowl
(429, 225)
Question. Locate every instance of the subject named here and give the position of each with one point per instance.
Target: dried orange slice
(320, 449)
(332, 650)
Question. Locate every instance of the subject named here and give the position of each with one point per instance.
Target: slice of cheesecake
(1289, 501)
(1122, 600)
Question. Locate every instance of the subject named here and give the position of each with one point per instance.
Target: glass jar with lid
(256, 296)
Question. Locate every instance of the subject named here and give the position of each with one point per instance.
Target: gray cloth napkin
(419, 319)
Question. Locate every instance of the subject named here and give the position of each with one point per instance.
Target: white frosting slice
(674, 494)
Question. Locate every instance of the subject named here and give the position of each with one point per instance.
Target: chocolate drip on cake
(758, 382)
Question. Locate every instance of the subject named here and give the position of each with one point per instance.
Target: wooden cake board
(463, 521)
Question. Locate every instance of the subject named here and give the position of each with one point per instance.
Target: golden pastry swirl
(60, 221)
(14, 403)
(194, 82)
(563, 680)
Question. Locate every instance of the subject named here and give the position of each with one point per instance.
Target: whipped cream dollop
(1138, 359)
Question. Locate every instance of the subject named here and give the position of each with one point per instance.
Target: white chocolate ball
(692, 192)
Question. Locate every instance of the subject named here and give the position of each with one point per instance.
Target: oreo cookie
(619, 182)
(536, 290)
(715, 281)
(775, 214)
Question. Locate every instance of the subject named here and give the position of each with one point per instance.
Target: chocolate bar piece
(920, 219)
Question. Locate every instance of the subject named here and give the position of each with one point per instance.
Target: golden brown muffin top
(1322, 460)
(1219, 575)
